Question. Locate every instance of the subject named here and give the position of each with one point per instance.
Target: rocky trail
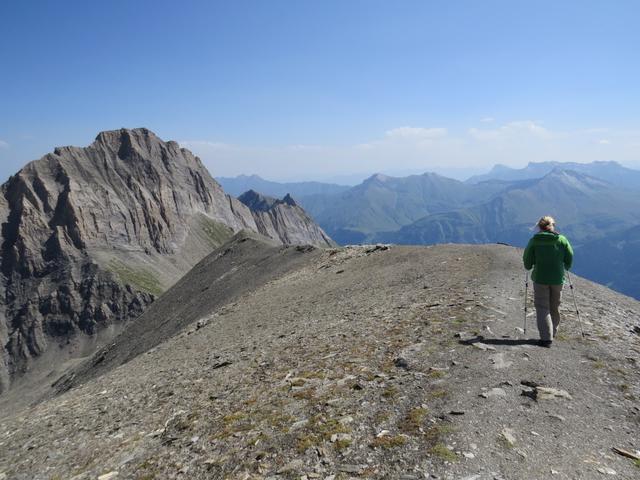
(359, 362)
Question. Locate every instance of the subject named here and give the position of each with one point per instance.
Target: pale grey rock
(284, 220)
(509, 435)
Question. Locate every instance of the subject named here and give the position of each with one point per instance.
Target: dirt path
(514, 436)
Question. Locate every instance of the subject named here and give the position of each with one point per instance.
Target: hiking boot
(545, 343)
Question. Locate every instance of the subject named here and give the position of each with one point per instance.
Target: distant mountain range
(611, 172)
(238, 185)
(597, 205)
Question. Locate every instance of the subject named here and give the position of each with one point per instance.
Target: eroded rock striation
(90, 236)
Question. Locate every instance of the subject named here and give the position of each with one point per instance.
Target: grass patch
(390, 392)
(342, 444)
(309, 374)
(305, 442)
(139, 278)
(437, 373)
(388, 441)
(637, 463)
(413, 420)
(215, 233)
(328, 427)
(438, 394)
(437, 431)
(233, 418)
(442, 452)
(306, 394)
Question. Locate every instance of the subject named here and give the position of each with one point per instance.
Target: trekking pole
(526, 288)
(575, 303)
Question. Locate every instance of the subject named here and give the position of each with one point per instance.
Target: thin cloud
(3, 144)
(511, 130)
(487, 119)
(416, 133)
(604, 141)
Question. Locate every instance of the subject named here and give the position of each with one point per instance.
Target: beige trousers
(547, 301)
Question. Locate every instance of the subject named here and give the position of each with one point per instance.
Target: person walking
(549, 254)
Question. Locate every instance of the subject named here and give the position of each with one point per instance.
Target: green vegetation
(437, 431)
(342, 444)
(413, 420)
(388, 441)
(216, 233)
(441, 451)
(390, 392)
(438, 394)
(139, 278)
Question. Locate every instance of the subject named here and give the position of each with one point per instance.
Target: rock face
(284, 220)
(90, 236)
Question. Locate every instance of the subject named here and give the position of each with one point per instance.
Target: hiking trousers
(546, 299)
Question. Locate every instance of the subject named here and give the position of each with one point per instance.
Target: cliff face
(90, 236)
(284, 220)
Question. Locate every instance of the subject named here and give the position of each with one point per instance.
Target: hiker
(550, 254)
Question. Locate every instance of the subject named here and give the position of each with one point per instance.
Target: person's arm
(529, 256)
(568, 254)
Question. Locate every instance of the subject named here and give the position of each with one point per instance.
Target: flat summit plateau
(385, 362)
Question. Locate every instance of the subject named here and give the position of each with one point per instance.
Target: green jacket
(549, 254)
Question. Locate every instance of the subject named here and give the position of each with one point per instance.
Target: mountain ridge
(387, 362)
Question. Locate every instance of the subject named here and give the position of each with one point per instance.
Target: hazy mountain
(383, 203)
(615, 259)
(611, 172)
(271, 361)
(242, 183)
(90, 236)
(584, 207)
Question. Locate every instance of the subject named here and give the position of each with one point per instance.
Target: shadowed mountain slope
(616, 258)
(376, 362)
(247, 261)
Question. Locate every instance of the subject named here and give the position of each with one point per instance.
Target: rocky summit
(377, 361)
(91, 236)
(283, 219)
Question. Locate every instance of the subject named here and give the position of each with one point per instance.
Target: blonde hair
(546, 224)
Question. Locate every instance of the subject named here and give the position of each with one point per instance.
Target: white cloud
(416, 133)
(3, 144)
(487, 119)
(511, 130)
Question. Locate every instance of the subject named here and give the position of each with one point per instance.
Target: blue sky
(301, 89)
